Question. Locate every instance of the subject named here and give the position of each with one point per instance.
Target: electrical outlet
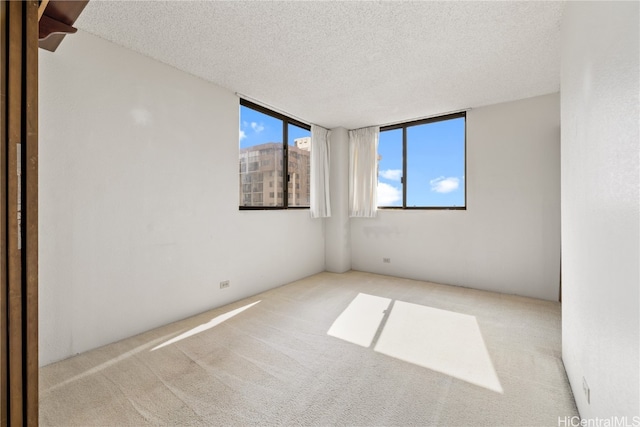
(386, 260)
(224, 284)
(585, 388)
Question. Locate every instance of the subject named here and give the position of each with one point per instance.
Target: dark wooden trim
(271, 208)
(285, 164)
(49, 26)
(19, 196)
(421, 208)
(64, 12)
(14, 270)
(268, 112)
(30, 213)
(4, 360)
(42, 7)
(466, 143)
(424, 121)
(404, 167)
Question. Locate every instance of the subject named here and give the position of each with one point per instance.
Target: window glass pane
(390, 168)
(261, 154)
(435, 164)
(299, 166)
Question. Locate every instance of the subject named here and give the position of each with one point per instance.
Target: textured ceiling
(349, 64)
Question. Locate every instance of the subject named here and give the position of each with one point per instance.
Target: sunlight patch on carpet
(205, 326)
(441, 340)
(359, 322)
(444, 341)
(109, 363)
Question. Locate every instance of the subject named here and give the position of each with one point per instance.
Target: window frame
(285, 178)
(403, 181)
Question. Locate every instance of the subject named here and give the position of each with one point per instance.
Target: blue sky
(435, 165)
(435, 158)
(257, 128)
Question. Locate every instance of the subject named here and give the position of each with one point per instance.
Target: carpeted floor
(332, 349)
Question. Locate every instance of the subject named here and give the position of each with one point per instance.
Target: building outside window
(261, 158)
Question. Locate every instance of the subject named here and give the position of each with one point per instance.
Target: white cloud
(388, 194)
(391, 174)
(257, 127)
(242, 135)
(444, 185)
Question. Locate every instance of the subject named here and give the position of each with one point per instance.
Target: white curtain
(363, 172)
(320, 203)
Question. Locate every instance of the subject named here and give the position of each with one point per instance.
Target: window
(277, 148)
(421, 164)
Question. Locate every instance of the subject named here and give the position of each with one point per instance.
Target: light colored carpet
(331, 349)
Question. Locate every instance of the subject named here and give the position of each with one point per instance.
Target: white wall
(337, 227)
(508, 239)
(139, 218)
(601, 206)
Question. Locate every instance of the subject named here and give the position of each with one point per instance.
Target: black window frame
(286, 121)
(403, 179)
